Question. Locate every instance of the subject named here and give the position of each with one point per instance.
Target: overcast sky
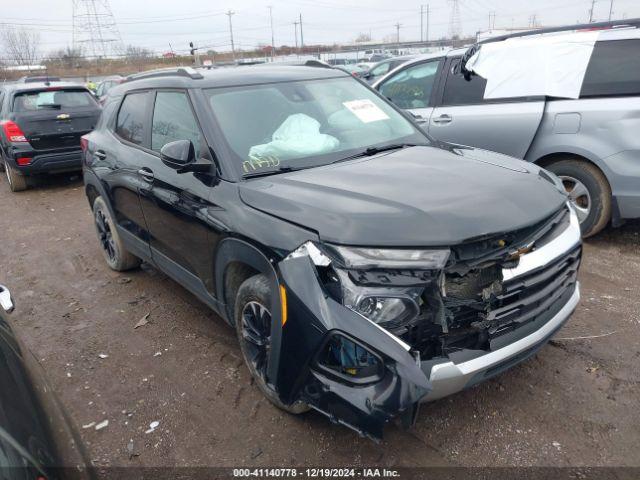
(157, 23)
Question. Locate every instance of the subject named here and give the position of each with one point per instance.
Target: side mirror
(178, 154)
(6, 302)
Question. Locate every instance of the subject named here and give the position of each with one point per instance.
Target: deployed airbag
(552, 65)
(299, 135)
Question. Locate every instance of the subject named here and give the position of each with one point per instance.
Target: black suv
(365, 268)
(40, 128)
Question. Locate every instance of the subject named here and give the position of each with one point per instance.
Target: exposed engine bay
(467, 304)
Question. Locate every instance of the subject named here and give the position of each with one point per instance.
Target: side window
(460, 91)
(173, 120)
(412, 87)
(614, 69)
(380, 69)
(130, 124)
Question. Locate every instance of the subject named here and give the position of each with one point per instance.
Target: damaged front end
(371, 333)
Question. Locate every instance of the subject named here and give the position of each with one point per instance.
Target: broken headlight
(387, 306)
(363, 258)
(382, 284)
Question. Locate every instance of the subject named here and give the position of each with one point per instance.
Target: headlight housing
(384, 285)
(364, 258)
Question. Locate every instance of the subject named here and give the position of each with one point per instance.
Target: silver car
(592, 143)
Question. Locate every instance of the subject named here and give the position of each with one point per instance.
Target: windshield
(31, 101)
(304, 124)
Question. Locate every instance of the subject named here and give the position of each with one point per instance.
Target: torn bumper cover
(371, 334)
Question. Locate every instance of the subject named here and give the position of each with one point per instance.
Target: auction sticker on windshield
(366, 110)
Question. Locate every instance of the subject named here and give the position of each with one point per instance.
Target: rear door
(461, 115)
(117, 153)
(412, 87)
(55, 118)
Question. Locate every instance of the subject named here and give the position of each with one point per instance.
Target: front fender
(312, 315)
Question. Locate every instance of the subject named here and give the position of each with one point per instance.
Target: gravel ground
(576, 403)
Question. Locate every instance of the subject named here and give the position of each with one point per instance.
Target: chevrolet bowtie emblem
(63, 116)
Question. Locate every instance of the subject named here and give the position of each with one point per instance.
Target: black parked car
(41, 125)
(37, 441)
(365, 268)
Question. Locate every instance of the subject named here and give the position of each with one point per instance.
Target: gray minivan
(592, 143)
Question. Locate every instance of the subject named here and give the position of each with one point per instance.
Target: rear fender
(311, 315)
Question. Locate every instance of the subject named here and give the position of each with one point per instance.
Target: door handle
(146, 173)
(442, 119)
(99, 154)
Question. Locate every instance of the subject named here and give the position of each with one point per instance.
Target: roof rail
(187, 72)
(634, 22)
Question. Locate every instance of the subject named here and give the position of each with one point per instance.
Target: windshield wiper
(56, 106)
(266, 173)
(375, 150)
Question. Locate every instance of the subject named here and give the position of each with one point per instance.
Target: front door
(411, 88)
(175, 204)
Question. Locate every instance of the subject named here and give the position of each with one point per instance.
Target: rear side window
(52, 99)
(460, 91)
(614, 69)
(173, 120)
(130, 124)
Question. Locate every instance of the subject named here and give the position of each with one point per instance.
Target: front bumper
(447, 377)
(408, 380)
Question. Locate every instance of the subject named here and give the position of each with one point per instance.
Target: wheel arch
(237, 260)
(546, 159)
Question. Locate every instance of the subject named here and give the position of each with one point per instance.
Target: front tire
(17, 182)
(588, 191)
(114, 251)
(253, 327)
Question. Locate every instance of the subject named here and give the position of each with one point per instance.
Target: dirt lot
(576, 403)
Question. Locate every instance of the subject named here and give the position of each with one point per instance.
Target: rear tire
(254, 297)
(588, 190)
(17, 182)
(114, 251)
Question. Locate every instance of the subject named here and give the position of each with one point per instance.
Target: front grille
(480, 322)
(528, 296)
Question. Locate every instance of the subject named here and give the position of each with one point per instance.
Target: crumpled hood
(419, 196)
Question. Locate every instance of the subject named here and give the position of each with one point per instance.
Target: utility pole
(273, 43)
(398, 36)
(610, 9)
(301, 36)
(427, 35)
(233, 49)
(421, 23)
(295, 26)
(593, 3)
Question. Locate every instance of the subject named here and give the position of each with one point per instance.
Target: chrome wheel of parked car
(588, 191)
(17, 182)
(578, 195)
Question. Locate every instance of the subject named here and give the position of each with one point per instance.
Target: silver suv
(592, 143)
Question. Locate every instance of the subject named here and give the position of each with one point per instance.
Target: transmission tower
(95, 31)
(455, 24)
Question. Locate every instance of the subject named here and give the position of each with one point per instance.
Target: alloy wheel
(105, 235)
(579, 196)
(256, 336)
